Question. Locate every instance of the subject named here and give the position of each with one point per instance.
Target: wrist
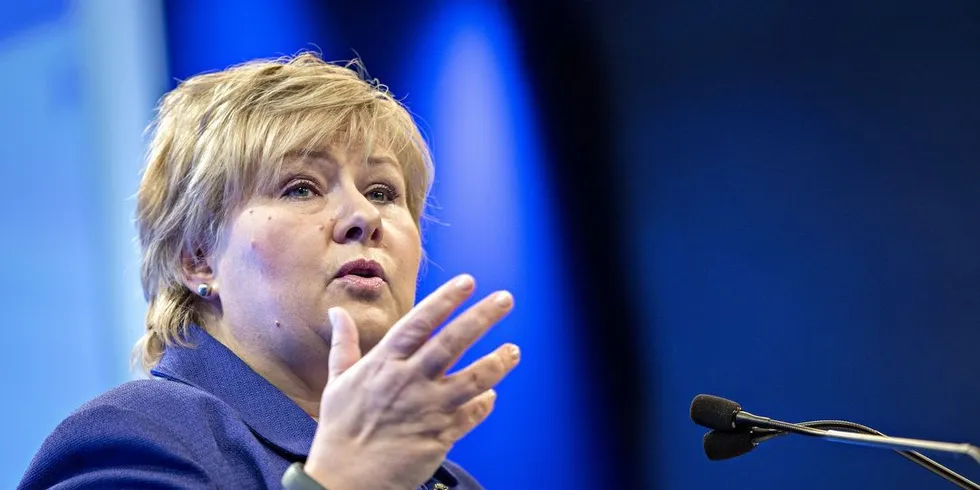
(326, 478)
(296, 478)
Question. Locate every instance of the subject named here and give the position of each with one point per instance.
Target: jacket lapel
(212, 367)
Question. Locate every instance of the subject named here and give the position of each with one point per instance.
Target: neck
(303, 386)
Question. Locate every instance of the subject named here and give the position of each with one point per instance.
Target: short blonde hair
(219, 137)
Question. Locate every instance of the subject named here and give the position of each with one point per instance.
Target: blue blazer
(207, 421)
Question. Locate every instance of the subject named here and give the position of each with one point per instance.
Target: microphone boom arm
(900, 443)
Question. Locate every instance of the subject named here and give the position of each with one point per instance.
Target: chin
(372, 320)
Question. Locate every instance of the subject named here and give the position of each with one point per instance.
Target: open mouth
(362, 268)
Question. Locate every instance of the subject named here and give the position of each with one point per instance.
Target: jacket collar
(208, 365)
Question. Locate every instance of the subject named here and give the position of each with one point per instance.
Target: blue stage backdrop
(494, 216)
(78, 81)
(805, 187)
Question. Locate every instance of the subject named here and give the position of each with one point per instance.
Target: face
(336, 230)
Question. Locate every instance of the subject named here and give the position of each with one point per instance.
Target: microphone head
(725, 445)
(714, 412)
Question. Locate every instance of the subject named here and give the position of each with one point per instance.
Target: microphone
(720, 445)
(725, 415)
(717, 413)
(736, 432)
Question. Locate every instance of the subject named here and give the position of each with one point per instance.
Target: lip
(362, 268)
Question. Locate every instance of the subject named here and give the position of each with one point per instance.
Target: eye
(301, 189)
(382, 193)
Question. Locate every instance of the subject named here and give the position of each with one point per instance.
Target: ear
(196, 270)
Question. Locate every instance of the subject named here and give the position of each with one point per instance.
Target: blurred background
(772, 201)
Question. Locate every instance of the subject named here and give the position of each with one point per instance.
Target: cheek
(406, 250)
(276, 245)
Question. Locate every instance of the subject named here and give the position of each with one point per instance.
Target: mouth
(362, 268)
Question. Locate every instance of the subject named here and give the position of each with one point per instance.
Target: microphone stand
(873, 438)
(902, 443)
(726, 416)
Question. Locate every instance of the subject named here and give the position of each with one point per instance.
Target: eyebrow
(377, 160)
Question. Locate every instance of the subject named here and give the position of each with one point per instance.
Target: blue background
(774, 202)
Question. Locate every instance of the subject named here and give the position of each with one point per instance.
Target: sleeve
(465, 480)
(113, 448)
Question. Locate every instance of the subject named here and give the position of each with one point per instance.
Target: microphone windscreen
(714, 412)
(725, 445)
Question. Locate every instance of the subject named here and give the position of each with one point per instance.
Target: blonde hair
(219, 137)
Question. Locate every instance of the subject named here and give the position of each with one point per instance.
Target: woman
(279, 217)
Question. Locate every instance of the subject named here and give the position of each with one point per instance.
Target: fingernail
(464, 282)
(503, 299)
(515, 352)
(334, 316)
(492, 394)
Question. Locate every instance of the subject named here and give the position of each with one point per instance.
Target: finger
(415, 328)
(438, 355)
(472, 414)
(344, 347)
(481, 376)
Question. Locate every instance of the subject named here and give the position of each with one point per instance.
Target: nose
(358, 219)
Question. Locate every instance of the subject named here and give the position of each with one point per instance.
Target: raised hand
(387, 420)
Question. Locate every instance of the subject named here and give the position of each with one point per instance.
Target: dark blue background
(802, 184)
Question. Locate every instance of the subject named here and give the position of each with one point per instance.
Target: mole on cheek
(270, 217)
(322, 227)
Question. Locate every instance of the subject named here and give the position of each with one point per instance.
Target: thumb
(344, 347)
